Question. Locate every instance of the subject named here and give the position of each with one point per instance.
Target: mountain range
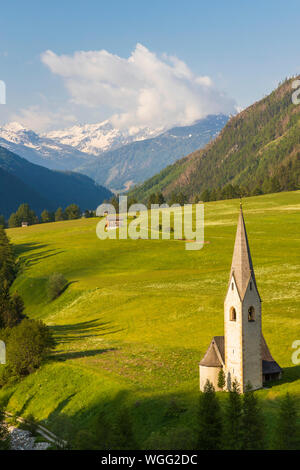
(112, 157)
(258, 149)
(42, 188)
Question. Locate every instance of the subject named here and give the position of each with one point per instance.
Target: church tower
(242, 352)
(242, 317)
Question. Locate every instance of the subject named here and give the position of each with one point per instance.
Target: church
(242, 352)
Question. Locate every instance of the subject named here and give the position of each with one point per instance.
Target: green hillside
(257, 149)
(139, 315)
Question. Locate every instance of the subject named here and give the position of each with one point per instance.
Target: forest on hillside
(257, 152)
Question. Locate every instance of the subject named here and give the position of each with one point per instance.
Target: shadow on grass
(34, 258)
(83, 330)
(290, 374)
(80, 354)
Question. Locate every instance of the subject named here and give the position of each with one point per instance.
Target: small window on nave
(232, 315)
(232, 286)
(251, 314)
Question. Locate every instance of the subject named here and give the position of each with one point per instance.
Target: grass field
(138, 316)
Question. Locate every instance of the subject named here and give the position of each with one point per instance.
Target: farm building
(114, 222)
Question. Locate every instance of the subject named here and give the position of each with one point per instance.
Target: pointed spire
(242, 266)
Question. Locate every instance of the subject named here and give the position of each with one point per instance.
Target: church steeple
(242, 266)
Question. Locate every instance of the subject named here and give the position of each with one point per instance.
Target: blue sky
(244, 47)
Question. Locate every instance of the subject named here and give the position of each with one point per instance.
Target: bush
(27, 344)
(56, 285)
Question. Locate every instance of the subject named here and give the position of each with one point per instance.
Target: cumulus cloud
(142, 90)
(39, 119)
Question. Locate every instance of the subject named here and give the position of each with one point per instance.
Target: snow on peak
(100, 137)
(14, 127)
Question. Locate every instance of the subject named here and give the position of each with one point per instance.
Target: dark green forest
(41, 188)
(257, 152)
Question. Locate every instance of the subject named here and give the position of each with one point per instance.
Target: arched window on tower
(251, 314)
(232, 314)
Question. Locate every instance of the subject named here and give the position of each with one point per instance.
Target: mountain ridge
(42, 188)
(257, 145)
(120, 166)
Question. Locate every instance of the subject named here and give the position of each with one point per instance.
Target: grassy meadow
(137, 316)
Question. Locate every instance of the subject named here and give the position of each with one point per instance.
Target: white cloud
(143, 90)
(39, 119)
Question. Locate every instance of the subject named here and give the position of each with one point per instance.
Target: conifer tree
(59, 215)
(287, 430)
(233, 419)
(252, 422)
(221, 379)
(210, 419)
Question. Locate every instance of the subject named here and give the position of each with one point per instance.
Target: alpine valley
(113, 157)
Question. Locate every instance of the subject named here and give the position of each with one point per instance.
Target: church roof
(242, 266)
(269, 365)
(214, 356)
(216, 351)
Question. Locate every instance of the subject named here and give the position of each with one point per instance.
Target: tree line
(231, 421)
(241, 425)
(27, 341)
(284, 180)
(25, 214)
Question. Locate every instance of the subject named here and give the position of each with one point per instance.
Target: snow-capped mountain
(113, 157)
(41, 150)
(123, 167)
(98, 138)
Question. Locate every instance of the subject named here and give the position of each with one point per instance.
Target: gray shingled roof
(269, 365)
(214, 352)
(217, 345)
(242, 266)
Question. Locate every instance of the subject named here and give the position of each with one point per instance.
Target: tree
(46, 217)
(116, 433)
(252, 422)
(210, 420)
(72, 212)
(88, 214)
(178, 197)
(221, 379)
(27, 344)
(131, 200)
(151, 200)
(56, 285)
(160, 198)
(11, 307)
(2, 221)
(4, 433)
(14, 221)
(25, 214)
(233, 419)
(59, 215)
(205, 195)
(7, 259)
(287, 435)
